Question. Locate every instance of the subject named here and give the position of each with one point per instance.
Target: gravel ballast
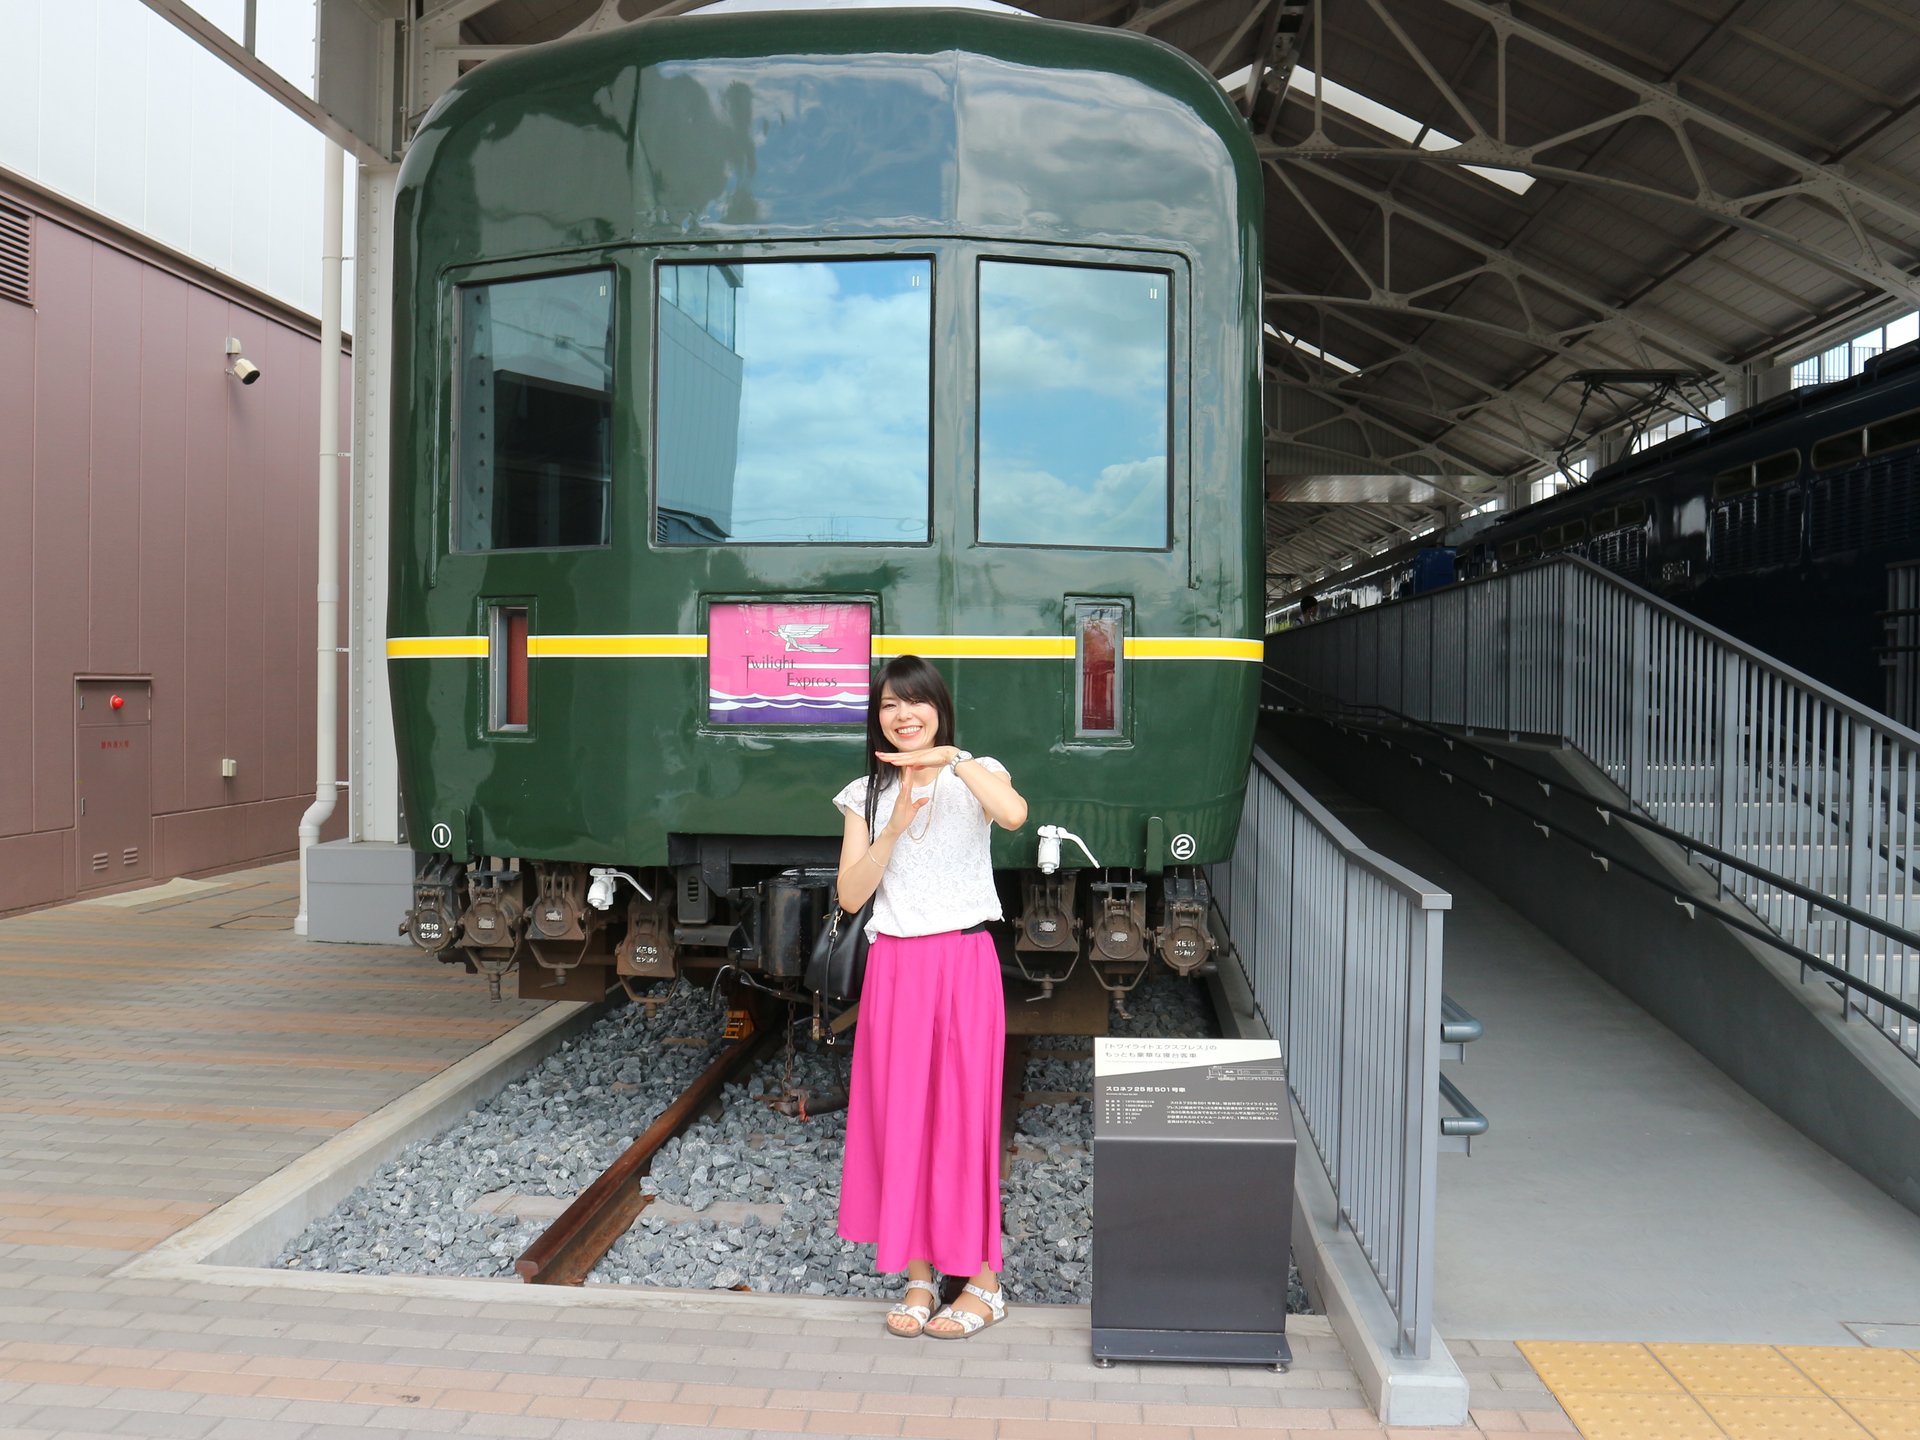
(746, 1199)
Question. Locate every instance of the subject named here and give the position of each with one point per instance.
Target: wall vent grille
(16, 256)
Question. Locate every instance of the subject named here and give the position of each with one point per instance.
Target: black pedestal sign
(1193, 1155)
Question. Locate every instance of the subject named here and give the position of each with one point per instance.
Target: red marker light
(117, 703)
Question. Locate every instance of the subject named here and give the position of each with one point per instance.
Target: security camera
(242, 369)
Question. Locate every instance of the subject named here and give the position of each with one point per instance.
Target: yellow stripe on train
(934, 647)
(1150, 647)
(588, 647)
(975, 647)
(435, 647)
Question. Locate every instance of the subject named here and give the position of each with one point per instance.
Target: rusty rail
(568, 1249)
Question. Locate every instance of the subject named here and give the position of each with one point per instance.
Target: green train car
(737, 354)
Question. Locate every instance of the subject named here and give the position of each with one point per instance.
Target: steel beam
(211, 38)
(1696, 351)
(1825, 185)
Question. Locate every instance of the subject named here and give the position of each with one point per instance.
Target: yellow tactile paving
(1621, 1415)
(1887, 1419)
(1733, 1370)
(1616, 1391)
(1583, 1365)
(1782, 1417)
(1849, 1372)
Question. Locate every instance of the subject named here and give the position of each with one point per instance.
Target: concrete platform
(159, 1058)
(1628, 1190)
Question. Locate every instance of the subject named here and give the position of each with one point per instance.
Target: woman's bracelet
(871, 856)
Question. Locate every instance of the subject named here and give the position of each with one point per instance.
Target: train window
(1074, 406)
(1838, 449)
(1776, 468)
(1632, 513)
(1732, 482)
(792, 402)
(1898, 433)
(533, 427)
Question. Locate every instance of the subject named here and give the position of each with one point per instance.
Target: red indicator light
(1101, 645)
(117, 703)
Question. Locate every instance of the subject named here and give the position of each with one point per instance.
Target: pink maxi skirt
(921, 1177)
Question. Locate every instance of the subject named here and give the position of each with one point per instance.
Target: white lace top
(942, 880)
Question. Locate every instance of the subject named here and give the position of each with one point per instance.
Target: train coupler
(1183, 939)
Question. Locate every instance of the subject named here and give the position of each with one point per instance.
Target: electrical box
(1193, 1157)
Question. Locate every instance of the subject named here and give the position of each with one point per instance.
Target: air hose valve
(600, 892)
(1050, 838)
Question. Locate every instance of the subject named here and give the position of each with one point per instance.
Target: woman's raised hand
(905, 815)
(932, 758)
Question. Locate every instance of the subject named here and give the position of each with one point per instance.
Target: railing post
(1730, 757)
(1419, 1182)
(1860, 811)
(1567, 578)
(1640, 639)
(1342, 1120)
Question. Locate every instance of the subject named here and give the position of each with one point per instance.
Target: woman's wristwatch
(958, 757)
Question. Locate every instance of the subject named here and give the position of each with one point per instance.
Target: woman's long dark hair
(915, 680)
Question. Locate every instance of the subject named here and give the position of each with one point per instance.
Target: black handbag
(839, 960)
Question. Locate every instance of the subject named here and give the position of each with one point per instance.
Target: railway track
(569, 1249)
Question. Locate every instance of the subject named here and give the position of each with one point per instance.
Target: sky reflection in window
(1073, 406)
(793, 402)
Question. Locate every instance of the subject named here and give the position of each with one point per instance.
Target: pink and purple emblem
(788, 664)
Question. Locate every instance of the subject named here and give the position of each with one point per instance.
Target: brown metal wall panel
(250, 441)
(226, 835)
(17, 326)
(33, 869)
(113, 501)
(62, 414)
(170, 534)
(163, 522)
(204, 677)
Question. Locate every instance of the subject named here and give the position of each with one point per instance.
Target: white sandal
(969, 1322)
(919, 1314)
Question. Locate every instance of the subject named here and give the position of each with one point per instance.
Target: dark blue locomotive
(1782, 525)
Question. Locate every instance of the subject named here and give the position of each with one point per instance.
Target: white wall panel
(20, 84)
(120, 83)
(107, 103)
(69, 51)
(169, 130)
(216, 111)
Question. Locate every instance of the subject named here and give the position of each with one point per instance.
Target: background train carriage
(733, 350)
(1792, 525)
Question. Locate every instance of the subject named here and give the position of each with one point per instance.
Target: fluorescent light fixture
(1313, 350)
(1380, 117)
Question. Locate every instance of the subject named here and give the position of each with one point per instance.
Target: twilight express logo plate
(788, 664)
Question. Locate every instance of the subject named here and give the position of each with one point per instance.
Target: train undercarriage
(569, 930)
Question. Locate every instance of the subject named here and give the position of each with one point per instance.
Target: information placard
(1193, 1158)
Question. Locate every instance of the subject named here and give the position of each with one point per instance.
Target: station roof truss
(1468, 203)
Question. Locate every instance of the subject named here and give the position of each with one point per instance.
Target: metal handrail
(1608, 808)
(1807, 801)
(1548, 824)
(1342, 951)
